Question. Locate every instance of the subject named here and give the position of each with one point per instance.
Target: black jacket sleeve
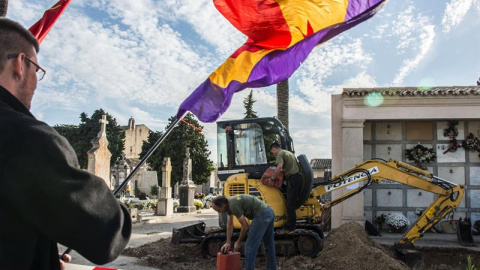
(69, 205)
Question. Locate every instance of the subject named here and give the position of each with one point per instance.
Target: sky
(142, 58)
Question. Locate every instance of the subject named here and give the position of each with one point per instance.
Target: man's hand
(237, 246)
(225, 248)
(270, 181)
(64, 260)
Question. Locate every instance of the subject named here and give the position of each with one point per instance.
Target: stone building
(322, 169)
(135, 135)
(144, 179)
(383, 123)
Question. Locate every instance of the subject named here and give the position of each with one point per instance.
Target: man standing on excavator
(287, 162)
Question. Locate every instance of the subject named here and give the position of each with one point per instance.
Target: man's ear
(18, 66)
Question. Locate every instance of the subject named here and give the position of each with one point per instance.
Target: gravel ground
(151, 229)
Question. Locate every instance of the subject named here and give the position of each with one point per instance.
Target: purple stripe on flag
(208, 102)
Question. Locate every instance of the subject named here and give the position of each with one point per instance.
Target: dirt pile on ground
(347, 248)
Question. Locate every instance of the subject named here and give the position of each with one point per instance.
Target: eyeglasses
(40, 71)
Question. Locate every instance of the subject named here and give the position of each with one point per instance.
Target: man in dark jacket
(45, 198)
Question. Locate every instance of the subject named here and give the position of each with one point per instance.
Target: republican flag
(281, 34)
(41, 28)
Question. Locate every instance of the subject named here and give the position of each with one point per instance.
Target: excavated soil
(345, 248)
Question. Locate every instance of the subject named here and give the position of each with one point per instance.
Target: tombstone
(175, 191)
(165, 202)
(187, 187)
(99, 155)
(120, 171)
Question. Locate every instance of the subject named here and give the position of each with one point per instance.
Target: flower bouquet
(397, 222)
(421, 155)
(471, 143)
(451, 132)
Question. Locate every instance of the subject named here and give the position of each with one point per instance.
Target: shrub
(154, 190)
(198, 204)
(200, 196)
(142, 196)
(470, 265)
(380, 219)
(152, 204)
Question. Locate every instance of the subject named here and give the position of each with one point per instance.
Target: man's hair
(14, 38)
(220, 201)
(275, 145)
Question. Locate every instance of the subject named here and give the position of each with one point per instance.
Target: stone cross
(99, 155)
(103, 123)
(187, 187)
(187, 167)
(165, 201)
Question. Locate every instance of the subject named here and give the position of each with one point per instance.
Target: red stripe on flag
(41, 28)
(261, 21)
(191, 125)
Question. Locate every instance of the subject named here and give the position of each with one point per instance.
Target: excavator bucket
(464, 233)
(408, 254)
(191, 234)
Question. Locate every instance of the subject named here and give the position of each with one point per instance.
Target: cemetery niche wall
(399, 120)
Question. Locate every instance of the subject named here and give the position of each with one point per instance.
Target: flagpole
(140, 163)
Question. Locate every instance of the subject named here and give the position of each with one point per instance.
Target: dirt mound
(349, 248)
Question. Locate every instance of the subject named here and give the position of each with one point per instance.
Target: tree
(282, 102)
(72, 133)
(3, 8)
(81, 136)
(248, 104)
(174, 146)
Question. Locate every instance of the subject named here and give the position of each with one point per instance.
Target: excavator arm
(375, 171)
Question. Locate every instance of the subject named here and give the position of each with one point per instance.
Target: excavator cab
(243, 145)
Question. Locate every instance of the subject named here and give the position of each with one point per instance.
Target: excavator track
(301, 241)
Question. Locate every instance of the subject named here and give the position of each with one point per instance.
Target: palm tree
(282, 102)
(3, 8)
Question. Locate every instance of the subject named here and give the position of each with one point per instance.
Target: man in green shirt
(261, 228)
(287, 162)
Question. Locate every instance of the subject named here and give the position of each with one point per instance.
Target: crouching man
(261, 228)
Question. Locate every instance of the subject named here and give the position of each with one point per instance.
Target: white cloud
(454, 13)
(416, 35)
(142, 60)
(210, 25)
(361, 80)
(24, 12)
(426, 39)
(326, 60)
(143, 117)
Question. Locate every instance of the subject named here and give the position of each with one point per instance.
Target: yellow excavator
(243, 155)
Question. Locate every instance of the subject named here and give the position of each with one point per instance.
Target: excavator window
(249, 147)
(240, 145)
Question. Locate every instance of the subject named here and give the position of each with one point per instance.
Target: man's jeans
(261, 228)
